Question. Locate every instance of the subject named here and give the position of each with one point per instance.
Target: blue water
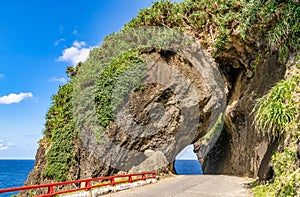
(13, 173)
(188, 167)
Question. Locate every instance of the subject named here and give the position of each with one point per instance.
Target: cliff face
(148, 114)
(240, 150)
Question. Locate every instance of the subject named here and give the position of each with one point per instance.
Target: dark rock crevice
(214, 161)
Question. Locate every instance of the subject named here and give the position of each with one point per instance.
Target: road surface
(192, 186)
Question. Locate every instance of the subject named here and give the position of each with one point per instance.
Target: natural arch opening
(186, 162)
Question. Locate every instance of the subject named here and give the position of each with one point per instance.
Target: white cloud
(15, 98)
(57, 42)
(79, 44)
(4, 146)
(61, 30)
(57, 79)
(10, 144)
(75, 32)
(76, 53)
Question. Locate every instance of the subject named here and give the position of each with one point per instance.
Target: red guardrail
(87, 184)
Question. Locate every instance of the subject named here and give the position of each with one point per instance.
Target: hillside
(222, 75)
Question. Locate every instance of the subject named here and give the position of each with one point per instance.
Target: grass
(276, 111)
(263, 191)
(276, 22)
(216, 22)
(211, 21)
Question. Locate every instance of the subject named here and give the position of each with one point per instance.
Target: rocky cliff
(133, 107)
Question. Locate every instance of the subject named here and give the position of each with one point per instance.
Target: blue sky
(38, 40)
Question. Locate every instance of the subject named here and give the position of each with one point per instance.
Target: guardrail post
(87, 185)
(112, 181)
(130, 179)
(50, 190)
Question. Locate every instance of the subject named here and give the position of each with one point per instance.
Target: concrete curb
(105, 190)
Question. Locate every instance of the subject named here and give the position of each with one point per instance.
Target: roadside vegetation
(277, 117)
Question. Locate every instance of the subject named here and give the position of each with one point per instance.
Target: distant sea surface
(13, 173)
(188, 167)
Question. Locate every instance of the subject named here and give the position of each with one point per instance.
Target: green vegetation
(214, 132)
(276, 21)
(256, 62)
(276, 111)
(59, 133)
(211, 21)
(277, 116)
(287, 177)
(216, 22)
(263, 191)
(123, 74)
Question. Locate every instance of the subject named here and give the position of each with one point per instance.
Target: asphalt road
(192, 186)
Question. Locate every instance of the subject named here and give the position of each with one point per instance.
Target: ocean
(188, 167)
(13, 173)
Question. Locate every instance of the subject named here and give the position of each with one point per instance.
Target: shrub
(61, 134)
(276, 111)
